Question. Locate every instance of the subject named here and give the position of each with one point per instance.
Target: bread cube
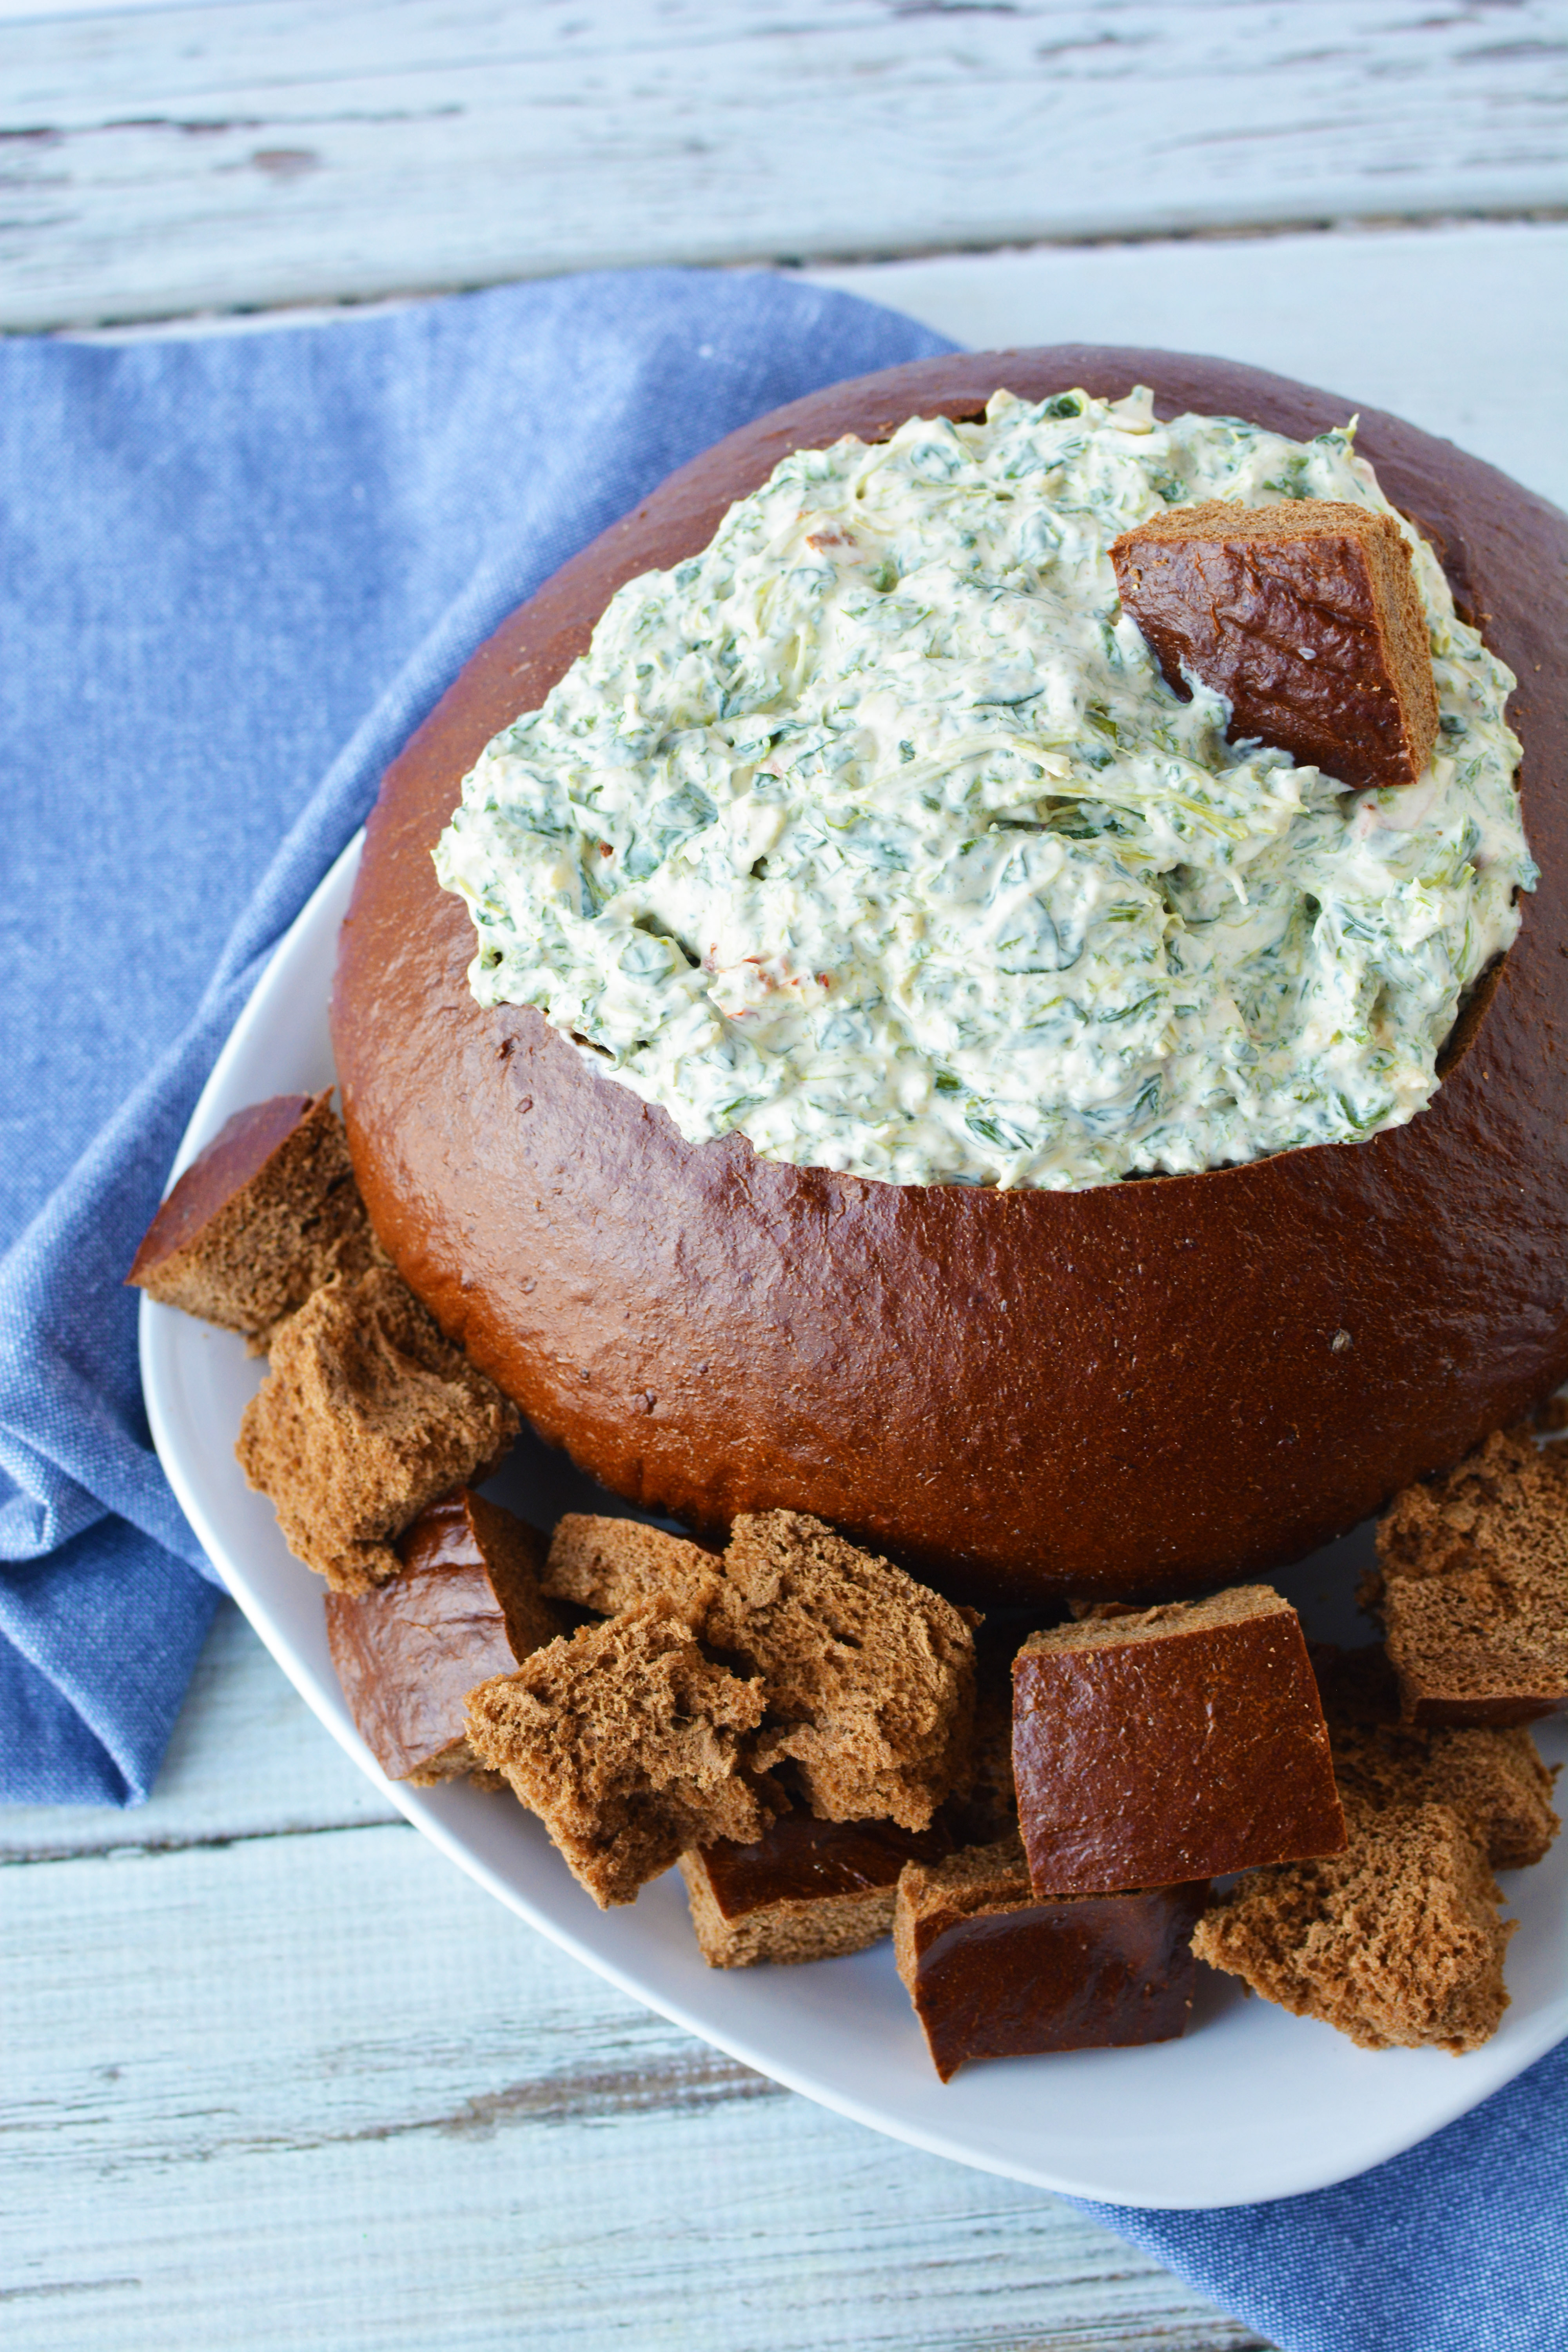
(1305, 617)
(266, 1215)
(367, 1416)
(466, 1607)
(1171, 1744)
(994, 1971)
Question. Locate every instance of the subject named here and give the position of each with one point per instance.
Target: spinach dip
(874, 833)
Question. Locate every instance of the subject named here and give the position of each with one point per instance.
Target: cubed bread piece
(266, 1215)
(869, 1676)
(1491, 1775)
(1174, 1744)
(995, 1972)
(1396, 1942)
(1472, 1587)
(627, 1742)
(610, 1564)
(465, 1608)
(1305, 617)
(367, 1416)
(808, 1890)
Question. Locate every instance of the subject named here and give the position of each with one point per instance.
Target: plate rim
(158, 1335)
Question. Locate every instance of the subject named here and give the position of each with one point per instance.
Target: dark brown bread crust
(1177, 1745)
(1305, 617)
(995, 1973)
(808, 1890)
(466, 1607)
(801, 1859)
(1143, 1388)
(260, 1219)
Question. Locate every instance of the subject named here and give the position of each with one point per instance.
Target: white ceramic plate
(1252, 2103)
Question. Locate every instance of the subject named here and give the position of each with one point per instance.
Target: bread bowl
(1140, 1388)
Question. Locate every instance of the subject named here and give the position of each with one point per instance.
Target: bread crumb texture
(609, 1564)
(1396, 1942)
(869, 1676)
(1492, 1775)
(366, 1416)
(263, 1217)
(1472, 1586)
(627, 1742)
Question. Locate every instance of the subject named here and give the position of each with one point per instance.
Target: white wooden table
(274, 2074)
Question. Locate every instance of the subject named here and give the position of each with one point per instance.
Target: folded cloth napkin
(237, 573)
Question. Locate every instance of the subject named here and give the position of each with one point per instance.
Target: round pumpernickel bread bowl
(1138, 1389)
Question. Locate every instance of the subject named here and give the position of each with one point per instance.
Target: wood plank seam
(131, 1849)
(190, 157)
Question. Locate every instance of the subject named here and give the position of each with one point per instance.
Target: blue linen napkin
(233, 574)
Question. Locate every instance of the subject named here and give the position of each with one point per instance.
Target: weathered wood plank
(175, 158)
(320, 2091)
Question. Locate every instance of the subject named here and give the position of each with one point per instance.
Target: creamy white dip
(874, 833)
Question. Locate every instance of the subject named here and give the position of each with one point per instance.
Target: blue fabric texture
(1459, 2245)
(235, 573)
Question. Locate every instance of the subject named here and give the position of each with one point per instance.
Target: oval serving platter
(1252, 2104)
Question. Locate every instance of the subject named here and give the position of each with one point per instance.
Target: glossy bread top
(1144, 1387)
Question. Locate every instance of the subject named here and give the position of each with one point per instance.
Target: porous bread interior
(297, 1223)
(1472, 1578)
(869, 1676)
(367, 1416)
(1288, 519)
(1491, 1775)
(797, 1928)
(610, 1563)
(1396, 1942)
(624, 1740)
(872, 1675)
(1120, 1624)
